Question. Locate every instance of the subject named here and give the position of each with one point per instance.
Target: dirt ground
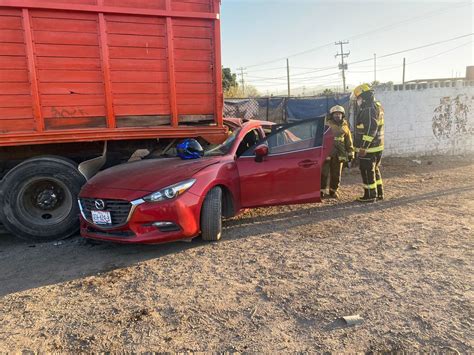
(280, 280)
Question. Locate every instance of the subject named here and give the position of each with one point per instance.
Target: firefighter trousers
(371, 176)
(331, 172)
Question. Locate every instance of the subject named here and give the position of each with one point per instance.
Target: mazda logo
(99, 204)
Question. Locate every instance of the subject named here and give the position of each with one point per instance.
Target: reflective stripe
(372, 186)
(380, 122)
(367, 138)
(361, 125)
(340, 139)
(379, 182)
(375, 149)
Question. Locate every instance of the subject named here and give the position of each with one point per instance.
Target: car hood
(148, 175)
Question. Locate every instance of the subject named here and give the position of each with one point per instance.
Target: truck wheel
(38, 199)
(211, 220)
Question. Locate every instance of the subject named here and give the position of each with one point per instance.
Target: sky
(258, 35)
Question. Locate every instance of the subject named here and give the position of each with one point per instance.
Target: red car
(166, 199)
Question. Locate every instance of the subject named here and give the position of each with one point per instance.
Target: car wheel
(38, 199)
(211, 215)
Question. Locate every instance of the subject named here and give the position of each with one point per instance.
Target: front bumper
(152, 222)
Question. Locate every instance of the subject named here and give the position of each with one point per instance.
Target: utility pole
(242, 82)
(288, 76)
(403, 78)
(375, 67)
(343, 66)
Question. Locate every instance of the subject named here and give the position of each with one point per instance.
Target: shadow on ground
(26, 266)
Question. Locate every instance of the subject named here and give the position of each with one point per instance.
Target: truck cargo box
(94, 70)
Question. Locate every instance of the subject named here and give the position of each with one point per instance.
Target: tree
(229, 79)
(236, 92)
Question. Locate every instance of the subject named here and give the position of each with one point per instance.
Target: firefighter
(369, 141)
(343, 151)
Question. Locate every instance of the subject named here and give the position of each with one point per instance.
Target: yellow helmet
(360, 89)
(337, 108)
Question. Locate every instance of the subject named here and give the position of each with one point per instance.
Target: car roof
(239, 122)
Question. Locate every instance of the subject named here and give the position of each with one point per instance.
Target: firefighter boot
(379, 192)
(333, 194)
(370, 195)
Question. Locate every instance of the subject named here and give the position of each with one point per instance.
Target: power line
(343, 66)
(412, 49)
(378, 30)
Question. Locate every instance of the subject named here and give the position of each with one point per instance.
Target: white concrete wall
(428, 121)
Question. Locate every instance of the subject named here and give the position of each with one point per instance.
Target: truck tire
(211, 215)
(38, 199)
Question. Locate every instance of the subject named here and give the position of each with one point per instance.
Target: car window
(248, 142)
(222, 148)
(305, 135)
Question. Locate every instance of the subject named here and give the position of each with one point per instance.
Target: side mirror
(260, 152)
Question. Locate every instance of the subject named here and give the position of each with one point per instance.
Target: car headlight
(170, 192)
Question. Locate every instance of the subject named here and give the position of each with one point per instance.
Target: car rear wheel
(211, 215)
(38, 199)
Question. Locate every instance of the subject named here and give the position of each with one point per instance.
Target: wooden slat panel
(134, 19)
(141, 99)
(73, 111)
(63, 25)
(80, 2)
(194, 77)
(73, 15)
(15, 101)
(10, 23)
(186, 6)
(86, 39)
(49, 50)
(136, 41)
(13, 76)
(196, 99)
(15, 49)
(5, 11)
(122, 110)
(140, 88)
(65, 76)
(75, 123)
(199, 109)
(143, 121)
(72, 100)
(16, 113)
(15, 88)
(137, 4)
(186, 54)
(11, 36)
(68, 63)
(17, 125)
(192, 22)
(138, 77)
(193, 43)
(138, 64)
(68, 88)
(135, 29)
(10, 62)
(192, 32)
(137, 53)
(191, 88)
(192, 66)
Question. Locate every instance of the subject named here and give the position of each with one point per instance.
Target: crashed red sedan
(161, 200)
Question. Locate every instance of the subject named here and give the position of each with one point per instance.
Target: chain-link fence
(283, 109)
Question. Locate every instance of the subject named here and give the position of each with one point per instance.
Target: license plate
(101, 217)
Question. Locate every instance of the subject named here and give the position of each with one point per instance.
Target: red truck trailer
(86, 83)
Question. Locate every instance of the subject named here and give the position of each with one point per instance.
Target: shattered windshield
(223, 148)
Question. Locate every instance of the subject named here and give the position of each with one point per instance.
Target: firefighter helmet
(337, 108)
(359, 90)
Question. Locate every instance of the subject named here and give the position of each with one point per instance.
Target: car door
(290, 173)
